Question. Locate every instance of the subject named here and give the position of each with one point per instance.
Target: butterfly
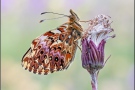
(54, 50)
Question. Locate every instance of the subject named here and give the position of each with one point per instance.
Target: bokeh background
(20, 25)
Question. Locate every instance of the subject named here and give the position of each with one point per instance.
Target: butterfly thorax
(73, 29)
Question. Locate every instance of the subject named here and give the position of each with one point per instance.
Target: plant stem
(94, 81)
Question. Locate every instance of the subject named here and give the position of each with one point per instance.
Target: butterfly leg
(78, 46)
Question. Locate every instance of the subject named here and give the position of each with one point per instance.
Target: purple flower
(93, 43)
(92, 56)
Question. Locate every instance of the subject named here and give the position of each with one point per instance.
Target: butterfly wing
(52, 51)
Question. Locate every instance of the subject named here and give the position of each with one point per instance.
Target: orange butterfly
(55, 49)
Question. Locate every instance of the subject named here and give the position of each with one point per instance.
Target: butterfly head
(73, 17)
(74, 21)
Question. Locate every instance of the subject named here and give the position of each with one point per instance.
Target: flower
(92, 56)
(93, 43)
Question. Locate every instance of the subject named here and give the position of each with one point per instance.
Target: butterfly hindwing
(52, 51)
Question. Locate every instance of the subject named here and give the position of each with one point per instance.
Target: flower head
(93, 42)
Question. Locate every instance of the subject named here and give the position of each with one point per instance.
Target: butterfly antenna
(50, 19)
(54, 13)
(53, 18)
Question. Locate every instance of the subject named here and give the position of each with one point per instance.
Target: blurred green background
(20, 25)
